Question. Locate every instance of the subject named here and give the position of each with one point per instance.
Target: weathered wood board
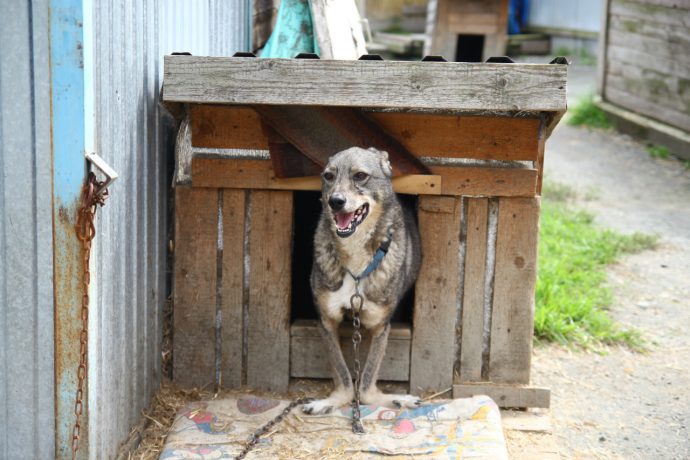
(506, 395)
(309, 358)
(231, 289)
(436, 295)
(423, 134)
(194, 278)
(512, 317)
(473, 294)
(386, 84)
(268, 335)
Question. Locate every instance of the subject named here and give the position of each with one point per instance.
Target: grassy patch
(586, 113)
(572, 298)
(658, 151)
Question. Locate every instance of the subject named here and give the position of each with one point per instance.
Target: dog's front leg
(370, 394)
(343, 392)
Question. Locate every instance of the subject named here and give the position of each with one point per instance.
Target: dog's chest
(337, 301)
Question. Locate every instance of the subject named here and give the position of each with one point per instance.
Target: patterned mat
(460, 428)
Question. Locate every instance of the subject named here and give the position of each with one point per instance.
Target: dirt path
(623, 404)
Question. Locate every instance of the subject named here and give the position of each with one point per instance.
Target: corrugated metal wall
(128, 42)
(26, 291)
(582, 15)
(123, 47)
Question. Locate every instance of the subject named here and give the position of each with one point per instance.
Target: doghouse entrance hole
(469, 48)
(307, 207)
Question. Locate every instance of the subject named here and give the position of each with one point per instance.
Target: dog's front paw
(406, 401)
(318, 407)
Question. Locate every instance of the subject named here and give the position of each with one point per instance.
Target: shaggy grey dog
(361, 215)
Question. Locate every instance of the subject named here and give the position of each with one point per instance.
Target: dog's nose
(336, 202)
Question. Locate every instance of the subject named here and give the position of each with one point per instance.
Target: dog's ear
(385, 163)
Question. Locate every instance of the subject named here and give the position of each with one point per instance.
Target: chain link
(255, 437)
(86, 230)
(356, 340)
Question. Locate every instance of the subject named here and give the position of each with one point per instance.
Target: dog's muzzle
(346, 222)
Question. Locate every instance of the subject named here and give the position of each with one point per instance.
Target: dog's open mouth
(346, 222)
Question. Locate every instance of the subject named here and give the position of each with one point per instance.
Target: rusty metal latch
(102, 166)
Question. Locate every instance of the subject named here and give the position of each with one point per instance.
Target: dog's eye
(328, 176)
(360, 176)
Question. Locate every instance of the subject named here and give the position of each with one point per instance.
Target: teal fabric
(293, 32)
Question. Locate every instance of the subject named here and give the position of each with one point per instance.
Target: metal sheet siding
(26, 251)
(581, 15)
(127, 41)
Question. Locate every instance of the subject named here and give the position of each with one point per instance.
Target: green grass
(572, 298)
(658, 151)
(586, 113)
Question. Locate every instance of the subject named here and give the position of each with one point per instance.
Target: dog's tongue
(342, 220)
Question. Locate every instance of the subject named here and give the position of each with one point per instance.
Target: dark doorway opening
(469, 48)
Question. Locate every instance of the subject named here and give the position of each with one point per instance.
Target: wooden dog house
(466, 142)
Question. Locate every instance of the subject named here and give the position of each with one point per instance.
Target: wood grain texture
(390, 84)
(446, 136)
(487, 181)
(506, 395)
(436, 294)
(320, 132)
(473, 295)
(258, 174)
(268, 352)
(213, 126)
(512, 319)
(231, 288)
(485, 138)
(194, 294)
(309, 359)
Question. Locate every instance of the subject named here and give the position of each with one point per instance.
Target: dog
(361, 214)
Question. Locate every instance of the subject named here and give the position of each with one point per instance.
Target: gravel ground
(623, 404)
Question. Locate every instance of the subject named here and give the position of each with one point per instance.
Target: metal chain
(86, 230)
(254, 437)
(357, 427)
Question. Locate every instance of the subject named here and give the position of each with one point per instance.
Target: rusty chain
(255, 437)
(92, 197)
(357, 427)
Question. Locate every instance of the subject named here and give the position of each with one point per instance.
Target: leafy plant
(586, 113)
(658, 151)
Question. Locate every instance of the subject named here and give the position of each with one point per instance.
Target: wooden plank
(194, 294)
(320, 132)
(386, 84)
(286, 159)
(506, 395)
(651, 61)
(423, 134)
(213, 126)
(268, 352)
(602, 59)
(486, 138)
(232, 287)
(512, 319)
(258, 174)
(660, 14)
(487, 181)
(308, 357)
(436, 295)
(643, 106)
(675, 48)
(473, 295)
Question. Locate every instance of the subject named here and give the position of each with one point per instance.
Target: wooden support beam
(320, 132)
(386, 84)
(484, 181)
(258, 174)
(506, 395)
